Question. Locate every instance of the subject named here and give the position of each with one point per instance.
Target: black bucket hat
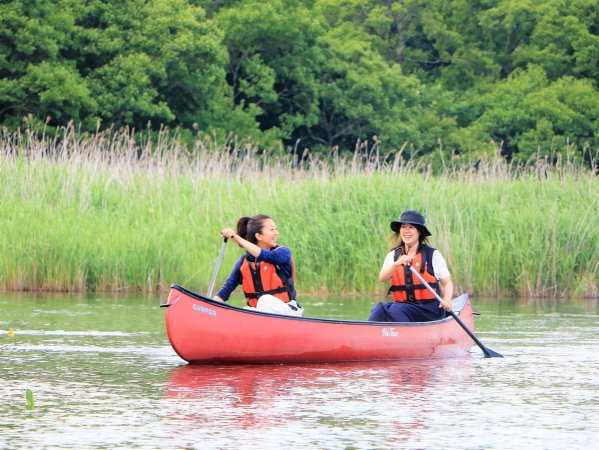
(413, 218)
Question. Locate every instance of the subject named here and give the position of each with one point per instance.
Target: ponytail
(247, 227)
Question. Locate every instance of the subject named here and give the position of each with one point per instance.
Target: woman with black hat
(412, 301)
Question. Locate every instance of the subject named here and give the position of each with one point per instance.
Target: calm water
(104, 375)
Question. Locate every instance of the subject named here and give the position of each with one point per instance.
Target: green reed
(109, 212)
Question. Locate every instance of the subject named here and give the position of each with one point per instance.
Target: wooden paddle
(487, 351)
(220, 259)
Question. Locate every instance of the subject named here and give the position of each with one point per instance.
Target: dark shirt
(280, 256)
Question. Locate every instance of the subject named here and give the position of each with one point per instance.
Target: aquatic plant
(29, 399)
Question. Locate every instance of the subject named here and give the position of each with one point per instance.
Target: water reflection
(345, 397)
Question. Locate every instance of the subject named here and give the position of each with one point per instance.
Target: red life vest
(403, 288)
(265, 278)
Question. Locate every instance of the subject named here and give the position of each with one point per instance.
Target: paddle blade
(490, 353)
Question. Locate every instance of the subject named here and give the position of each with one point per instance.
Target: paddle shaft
(220, 258)
(488, 352)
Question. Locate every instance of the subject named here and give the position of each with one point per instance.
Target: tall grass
(111, 212)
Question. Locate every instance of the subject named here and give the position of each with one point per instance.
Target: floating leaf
(30, 399)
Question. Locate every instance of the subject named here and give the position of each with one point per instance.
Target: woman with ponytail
(265, 272)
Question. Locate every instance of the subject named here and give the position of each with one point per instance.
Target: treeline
(429, 77)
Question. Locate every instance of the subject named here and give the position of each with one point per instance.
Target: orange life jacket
(265, 278)
(405, 286)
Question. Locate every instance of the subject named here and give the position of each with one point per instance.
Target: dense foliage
(420, 75)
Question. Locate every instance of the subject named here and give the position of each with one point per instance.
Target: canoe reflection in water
(406, 395)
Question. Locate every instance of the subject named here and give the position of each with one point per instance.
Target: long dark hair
(247, 227)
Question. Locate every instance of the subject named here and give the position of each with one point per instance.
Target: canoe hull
(205, 331)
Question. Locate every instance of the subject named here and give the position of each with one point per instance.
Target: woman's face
(409, 234)
(267, 239)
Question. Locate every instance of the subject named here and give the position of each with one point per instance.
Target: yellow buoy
(11, 333)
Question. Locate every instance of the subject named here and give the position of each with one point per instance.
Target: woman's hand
(252, 249)
(228, 233)
(404, 260)
(447, 305)
(388, 269)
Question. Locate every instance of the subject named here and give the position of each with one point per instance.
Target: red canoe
(202, 330)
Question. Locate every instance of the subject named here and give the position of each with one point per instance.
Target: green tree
(123, 63)
(34, 78)
(157, 60)
(528, 115)
(362, 95)
(564, 40)
(312, 76)
(272, 53)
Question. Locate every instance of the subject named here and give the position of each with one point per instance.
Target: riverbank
(106, 213)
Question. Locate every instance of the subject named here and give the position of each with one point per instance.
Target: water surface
(104, 375)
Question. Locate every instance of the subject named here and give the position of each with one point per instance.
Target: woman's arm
(231, 283)
(444, 277)
(280, 256)
(447, 286)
